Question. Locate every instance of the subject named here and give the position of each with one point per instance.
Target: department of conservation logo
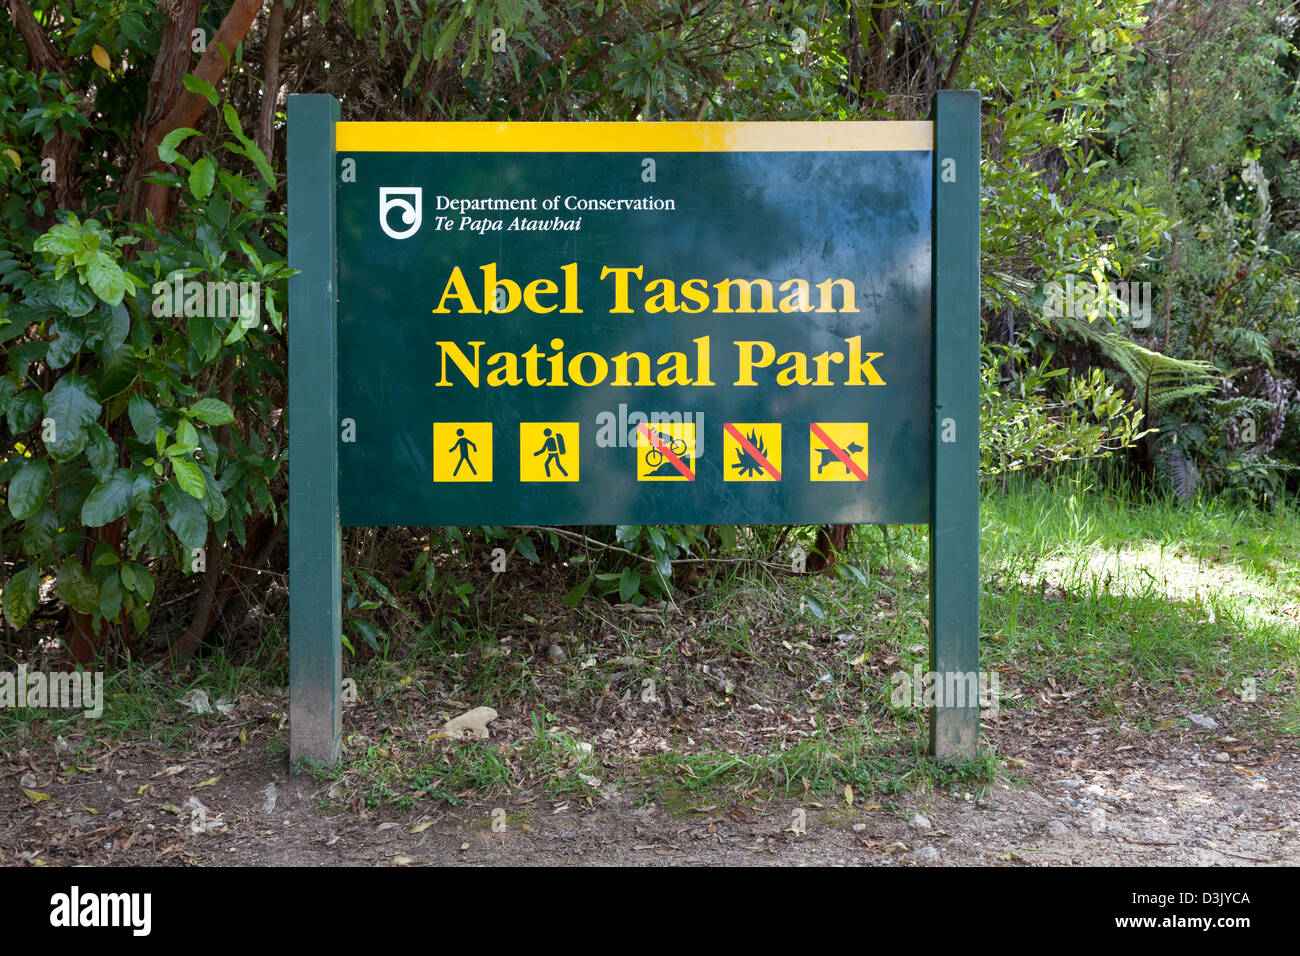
(412, 213)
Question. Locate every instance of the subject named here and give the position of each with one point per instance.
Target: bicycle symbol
(654, 457)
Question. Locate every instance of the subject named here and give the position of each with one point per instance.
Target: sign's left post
(315, 569)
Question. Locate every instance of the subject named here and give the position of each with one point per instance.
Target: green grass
(402, 770)
(1092, 587)
(400, 773)
(825, 765)
(143, 705)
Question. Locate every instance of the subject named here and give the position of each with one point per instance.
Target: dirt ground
(1157, 786)
(1082, 796)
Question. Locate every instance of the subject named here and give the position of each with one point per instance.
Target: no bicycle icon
(666, 452)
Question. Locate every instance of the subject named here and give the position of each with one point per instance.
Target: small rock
(269, 796)
(926, 855)
(1057, 830)
(472, 723)
(918, 822)
(846, 638)
(1222, 757)
(555, 654)
(859, 827)
(1070, 783)
(1094, 790)
(1200, 720)
(197, 701)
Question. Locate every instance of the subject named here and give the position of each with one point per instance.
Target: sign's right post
(954, 496)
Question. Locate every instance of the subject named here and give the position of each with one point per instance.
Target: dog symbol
(828, 456)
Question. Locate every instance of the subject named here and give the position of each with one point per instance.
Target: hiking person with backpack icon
(553, 448)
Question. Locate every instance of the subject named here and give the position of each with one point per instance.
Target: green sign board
(715, 335)
(647, 323)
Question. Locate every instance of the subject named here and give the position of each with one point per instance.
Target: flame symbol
(746, 463)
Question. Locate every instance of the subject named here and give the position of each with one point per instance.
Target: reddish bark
(175, 106)
(831, 539)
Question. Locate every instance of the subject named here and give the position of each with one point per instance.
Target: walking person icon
(463, 445)
(553, 448)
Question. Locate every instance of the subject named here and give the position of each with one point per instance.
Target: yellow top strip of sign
(630, 137)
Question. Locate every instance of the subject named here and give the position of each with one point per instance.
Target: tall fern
(1159, 381)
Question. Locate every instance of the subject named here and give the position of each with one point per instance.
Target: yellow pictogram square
(837, 451)
(761, 460)
(462, 451)
(670, 456)
(548, 451)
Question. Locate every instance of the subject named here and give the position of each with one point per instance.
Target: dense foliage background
(143, 449)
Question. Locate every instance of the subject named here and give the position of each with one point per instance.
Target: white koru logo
(412, 213)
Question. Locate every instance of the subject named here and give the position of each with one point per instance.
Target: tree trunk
(831, 539)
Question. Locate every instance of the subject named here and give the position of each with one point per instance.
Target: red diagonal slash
(838, 452)
(653, 439)
(753, 452)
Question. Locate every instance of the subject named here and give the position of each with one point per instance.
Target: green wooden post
(954, 496)
(315, 572)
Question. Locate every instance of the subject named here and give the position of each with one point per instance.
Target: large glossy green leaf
(628, 584)
(212, 411)
(21, 595)
(201, 178)
(108, 500)
(72, 297)
(39, 530)
(187, 436)
(167, 148)
(119, 372)
(185, 516)
(145, 528)
(60, 240)
(100, 451)
(73, 405)
(144, 418)
(188, 476)
(29, 488)
(71, 332)
(110, 595)
(106, 278)
(76, 587)
(214, 502)
(24, 411)
(196, 84)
